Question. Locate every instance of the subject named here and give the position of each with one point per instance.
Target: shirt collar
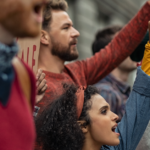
(123, 87)
(6, 70)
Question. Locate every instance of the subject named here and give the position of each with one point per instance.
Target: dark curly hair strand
(57, 127)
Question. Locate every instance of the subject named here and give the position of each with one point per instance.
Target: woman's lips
(114, 128)
(117, 133)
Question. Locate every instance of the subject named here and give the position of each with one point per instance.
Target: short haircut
(52, 5)
(104, 37)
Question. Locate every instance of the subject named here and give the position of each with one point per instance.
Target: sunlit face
(63, 36)
(21, 17)
(103, 123)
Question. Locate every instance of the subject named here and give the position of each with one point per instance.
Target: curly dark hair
(57, 126)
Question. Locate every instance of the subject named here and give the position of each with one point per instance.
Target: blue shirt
(137, 114)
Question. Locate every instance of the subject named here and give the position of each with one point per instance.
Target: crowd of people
(82, 105)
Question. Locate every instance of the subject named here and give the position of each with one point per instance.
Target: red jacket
(16, 121)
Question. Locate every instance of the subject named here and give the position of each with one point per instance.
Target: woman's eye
(104, 111)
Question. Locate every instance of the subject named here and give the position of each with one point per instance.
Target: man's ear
(83, 126)
(44, 39)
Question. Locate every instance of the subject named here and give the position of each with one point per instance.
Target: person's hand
(41, 85)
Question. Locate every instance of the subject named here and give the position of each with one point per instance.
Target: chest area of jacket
(16, 119)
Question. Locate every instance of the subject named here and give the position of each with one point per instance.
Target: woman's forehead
(98, 102)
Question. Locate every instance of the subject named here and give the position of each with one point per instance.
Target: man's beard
(64, 53)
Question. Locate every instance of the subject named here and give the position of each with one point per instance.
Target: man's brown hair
(52, 5)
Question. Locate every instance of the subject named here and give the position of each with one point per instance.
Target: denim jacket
(137, 114)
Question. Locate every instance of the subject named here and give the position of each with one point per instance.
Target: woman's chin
(115, 143)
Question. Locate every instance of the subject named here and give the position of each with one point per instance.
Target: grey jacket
(137, 115)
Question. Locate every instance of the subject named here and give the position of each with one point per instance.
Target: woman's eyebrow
(104, 107)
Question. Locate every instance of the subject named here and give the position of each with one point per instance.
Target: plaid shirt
(115, 93)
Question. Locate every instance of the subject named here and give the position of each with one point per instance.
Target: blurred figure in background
(18, 18)
(114, 88)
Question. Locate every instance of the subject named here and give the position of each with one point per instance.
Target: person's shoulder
(19, 64)
(104, 86)
(107, 91)
(72, 64)
(24, 66)
(26, 79)
(77, 69)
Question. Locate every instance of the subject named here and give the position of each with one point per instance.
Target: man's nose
(75, 33)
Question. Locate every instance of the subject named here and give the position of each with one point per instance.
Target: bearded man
(18, 18)
(59, 44)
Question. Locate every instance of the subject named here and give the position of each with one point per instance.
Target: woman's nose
(115, 117)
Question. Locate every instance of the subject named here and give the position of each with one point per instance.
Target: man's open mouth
(38, 8)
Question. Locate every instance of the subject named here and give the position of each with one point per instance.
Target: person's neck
(120, 75)
(5, 36)
(49, 62)
(90, 144)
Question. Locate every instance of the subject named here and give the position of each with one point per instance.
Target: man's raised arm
(123, 44)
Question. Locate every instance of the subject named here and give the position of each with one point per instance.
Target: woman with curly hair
(82, 120)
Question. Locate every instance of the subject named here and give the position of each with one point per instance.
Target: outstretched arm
(137, 116)
(124, 43)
